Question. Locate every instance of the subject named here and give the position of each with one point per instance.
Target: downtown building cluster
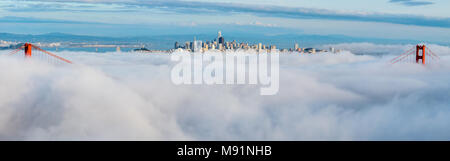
(219, 44)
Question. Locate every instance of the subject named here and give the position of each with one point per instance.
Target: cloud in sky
(12, 19)
(124, 96)
(218, 8)
(411, 2)
(62, 6)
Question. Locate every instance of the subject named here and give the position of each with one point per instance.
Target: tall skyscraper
(186, 45)
(206, 47)
(176, 45)
(220, 38)
(197, 46)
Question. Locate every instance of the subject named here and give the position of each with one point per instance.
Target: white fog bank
(128, 96)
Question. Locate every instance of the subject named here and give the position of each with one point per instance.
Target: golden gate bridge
(39, 53)
(421, 55)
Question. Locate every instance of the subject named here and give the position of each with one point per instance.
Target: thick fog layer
(130, 96)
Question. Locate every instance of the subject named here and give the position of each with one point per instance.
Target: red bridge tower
(420, 55)
(421, 52)
(28, 47)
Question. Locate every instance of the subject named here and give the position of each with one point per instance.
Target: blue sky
(397, 19)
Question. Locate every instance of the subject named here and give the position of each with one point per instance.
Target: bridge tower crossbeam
(28, 48)
(420, 54)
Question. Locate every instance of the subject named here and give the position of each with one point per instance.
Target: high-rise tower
(220, 38)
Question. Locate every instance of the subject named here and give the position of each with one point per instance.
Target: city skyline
(219, 44)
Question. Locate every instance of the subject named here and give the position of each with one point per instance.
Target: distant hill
(167, 41)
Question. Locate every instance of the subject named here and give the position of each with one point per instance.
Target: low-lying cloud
(129, 96)
(411, 2)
